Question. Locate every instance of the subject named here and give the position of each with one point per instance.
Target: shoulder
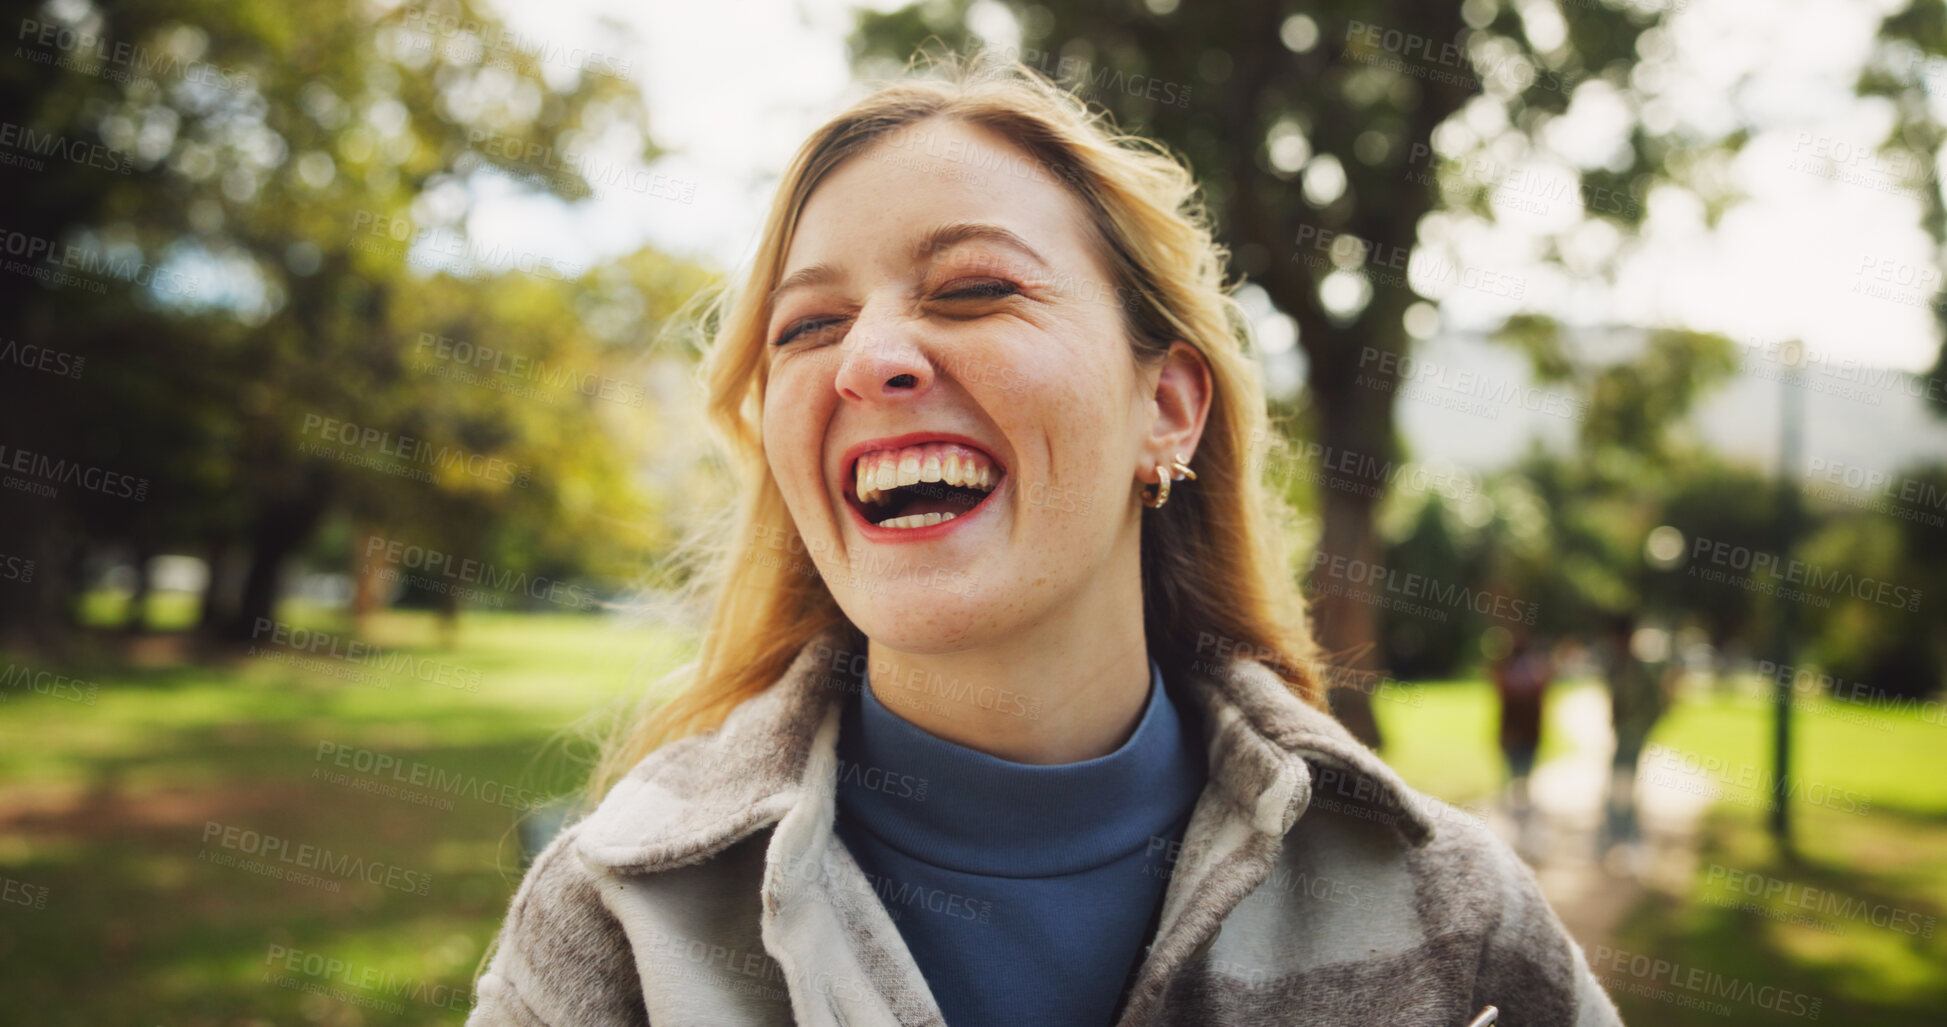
(1450, 890)
(561, 957)
(559, 896)
(1471, 882)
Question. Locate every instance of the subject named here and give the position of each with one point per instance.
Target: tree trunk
(218, 605)
(279, 531)
(449, 619)
(1355, 432)
(135, 620)
(30, 611)
(368, 584)
(70, 585)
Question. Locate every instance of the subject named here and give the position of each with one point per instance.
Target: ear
(1182, 398)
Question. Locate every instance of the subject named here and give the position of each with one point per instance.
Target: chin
(917, 619)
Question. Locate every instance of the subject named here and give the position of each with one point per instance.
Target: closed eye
(807, 325)
(989, 290)
(983, 290)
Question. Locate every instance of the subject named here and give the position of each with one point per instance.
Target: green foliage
(1714, 500)
(1565, 533)
(1909, 57)
(300, 177)
(1872, 635)
(1417, 645)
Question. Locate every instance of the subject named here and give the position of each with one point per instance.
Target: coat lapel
(773, 764)
(1268, 753)
(844, 958)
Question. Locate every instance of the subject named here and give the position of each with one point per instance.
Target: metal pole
(1791, 432)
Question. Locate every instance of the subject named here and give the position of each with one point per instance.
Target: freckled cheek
(791, 441)
(1079, 416)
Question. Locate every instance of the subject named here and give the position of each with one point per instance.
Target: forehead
(881, 202)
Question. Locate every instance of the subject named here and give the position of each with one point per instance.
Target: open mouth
(919, 486)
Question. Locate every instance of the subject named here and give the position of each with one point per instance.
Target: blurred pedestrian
(1637, 699)
(1521, 680)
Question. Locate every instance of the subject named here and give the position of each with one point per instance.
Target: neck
(1069, 686)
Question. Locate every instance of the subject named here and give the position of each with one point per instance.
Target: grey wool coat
(1312, 886)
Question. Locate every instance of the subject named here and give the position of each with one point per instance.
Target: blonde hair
(1216, 581)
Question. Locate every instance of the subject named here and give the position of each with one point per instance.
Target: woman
(1006, 712)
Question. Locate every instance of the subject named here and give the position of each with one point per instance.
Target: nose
(882, 361)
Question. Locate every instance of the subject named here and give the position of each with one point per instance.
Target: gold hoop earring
(1180, 469)
(1162, 488)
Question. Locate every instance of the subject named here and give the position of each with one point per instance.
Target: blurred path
(1560, 835)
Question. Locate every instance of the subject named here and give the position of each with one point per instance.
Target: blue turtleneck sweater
(1025, 893)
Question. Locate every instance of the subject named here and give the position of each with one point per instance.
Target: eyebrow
(944, 237)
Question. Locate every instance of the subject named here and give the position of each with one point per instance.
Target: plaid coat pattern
(1312, 886)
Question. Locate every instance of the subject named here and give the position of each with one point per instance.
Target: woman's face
(946, 354)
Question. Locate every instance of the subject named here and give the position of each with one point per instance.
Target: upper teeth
(881, 471)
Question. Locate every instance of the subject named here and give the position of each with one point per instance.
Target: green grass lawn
(1850, 929)
(1441, 736)
(113, 912)
(106, 814)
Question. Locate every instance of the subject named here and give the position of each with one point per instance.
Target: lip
(849, 479)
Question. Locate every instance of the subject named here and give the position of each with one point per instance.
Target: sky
(1825, 248)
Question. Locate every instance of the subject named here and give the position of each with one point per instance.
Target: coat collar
(1271, 756)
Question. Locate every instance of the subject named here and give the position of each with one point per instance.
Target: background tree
(273, 201)
(1907, 70)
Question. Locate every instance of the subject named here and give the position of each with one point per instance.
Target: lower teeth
(916, 520)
